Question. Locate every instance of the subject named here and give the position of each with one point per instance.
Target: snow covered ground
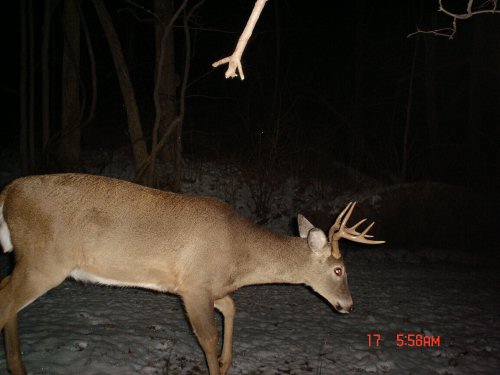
(84, 329)
(279, 329)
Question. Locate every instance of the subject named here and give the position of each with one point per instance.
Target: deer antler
(339, 230)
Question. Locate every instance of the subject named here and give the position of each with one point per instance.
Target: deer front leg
(200, 311)
(226, 307)
(11, 341)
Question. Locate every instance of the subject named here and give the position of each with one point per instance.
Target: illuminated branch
(470, 12)
(450, 32)
(234, 61)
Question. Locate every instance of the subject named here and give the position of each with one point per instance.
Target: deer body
(113, 232)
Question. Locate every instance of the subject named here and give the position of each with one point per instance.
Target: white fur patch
(4, 234)
(81, 275)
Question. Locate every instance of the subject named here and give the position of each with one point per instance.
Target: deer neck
(273, 258)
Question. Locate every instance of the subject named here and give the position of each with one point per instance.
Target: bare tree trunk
(164, 9)
(47, 18)
(475, 101)
(93, 75)
(139, 148)
(31, 89)
(358, 140)
(406, 136)
(69, 146)
(23, 107)
(182, 94)
(431, 105)
(158, 141)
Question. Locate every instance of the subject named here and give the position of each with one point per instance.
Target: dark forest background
(335, 91)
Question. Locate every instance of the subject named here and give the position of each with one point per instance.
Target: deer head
(329, 276)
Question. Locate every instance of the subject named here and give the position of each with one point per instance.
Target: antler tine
(362, 237)
(352, 230)
(339, 229)
(347, 215)
(336, 226)
(339, 218)
(367, 229)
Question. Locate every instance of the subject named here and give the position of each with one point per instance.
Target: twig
(449, 32)
(470, 12)
(234, 61)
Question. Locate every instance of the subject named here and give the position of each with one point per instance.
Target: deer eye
(338, 271)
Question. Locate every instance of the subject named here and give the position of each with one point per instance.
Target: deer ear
(316, 239)
(304, 226)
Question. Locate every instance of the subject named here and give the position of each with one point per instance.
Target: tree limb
(234, 61)
(450, 32)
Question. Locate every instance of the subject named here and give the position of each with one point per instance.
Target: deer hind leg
(226, 307)
(11, 342)
(200, 311)
(17, 291)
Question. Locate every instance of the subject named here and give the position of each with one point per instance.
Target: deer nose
(343, 309)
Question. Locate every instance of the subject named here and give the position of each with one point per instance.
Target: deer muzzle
(344, 308)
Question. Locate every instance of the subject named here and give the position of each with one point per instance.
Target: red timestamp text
(418, 340)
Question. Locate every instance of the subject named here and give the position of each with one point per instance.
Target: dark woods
(339, 93)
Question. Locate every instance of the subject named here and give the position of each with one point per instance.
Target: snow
(279, 329)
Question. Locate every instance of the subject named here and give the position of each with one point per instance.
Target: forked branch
(449, 32)
(234, 61)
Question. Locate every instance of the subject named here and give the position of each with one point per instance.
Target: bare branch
(234, 61)
(470, 12)
(449, 32)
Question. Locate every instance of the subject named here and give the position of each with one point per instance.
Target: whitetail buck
(114, 232)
